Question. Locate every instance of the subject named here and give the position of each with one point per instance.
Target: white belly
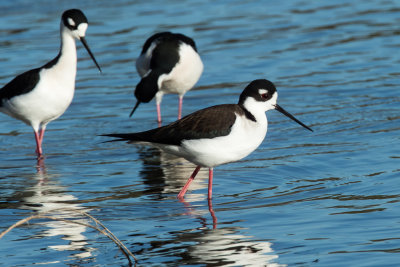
(46, 102)
(185, 74)
(245, 137)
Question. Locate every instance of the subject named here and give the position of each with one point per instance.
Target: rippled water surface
(328, 198)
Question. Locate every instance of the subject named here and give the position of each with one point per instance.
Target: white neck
(67, 62)
(257, 109)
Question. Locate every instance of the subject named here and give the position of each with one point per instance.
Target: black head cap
(252, 90)
(72, 18)
(147, 88)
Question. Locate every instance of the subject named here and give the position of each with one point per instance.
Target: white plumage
(41, 95)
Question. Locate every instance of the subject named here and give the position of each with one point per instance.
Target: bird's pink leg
(158, 113)
(39, 139)
(210, 182)
(38, 144)
(180, 107)
(189, 181)
(210, 207)
(214, 218)
(41, 135)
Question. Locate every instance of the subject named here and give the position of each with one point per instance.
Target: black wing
(21, 84)
(165, 55)
(206, 123)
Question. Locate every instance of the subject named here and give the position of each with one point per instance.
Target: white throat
(68, 59)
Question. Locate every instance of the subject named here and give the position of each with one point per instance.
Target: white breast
(46, 102)
(185, 74)
(245, 137)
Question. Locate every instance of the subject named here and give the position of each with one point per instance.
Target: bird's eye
(265, 96)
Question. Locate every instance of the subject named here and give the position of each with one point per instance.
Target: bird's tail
(123, 137)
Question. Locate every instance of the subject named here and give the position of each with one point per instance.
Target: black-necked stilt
(41, 95)
(218, 134)
(168, 63)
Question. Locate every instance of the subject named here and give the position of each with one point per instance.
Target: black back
(168, 35)
(206, 123)
(165, 55)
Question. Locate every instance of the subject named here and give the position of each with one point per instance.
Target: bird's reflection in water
(216, 246)
(190, 210)
(45, 195)
(227, 247)
(166, 174)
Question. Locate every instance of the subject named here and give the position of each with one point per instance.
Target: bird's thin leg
(158, 113)
(180, 107)
(210, 182)
(38, 144)
(189, 181)
(41, 134)
(212, 213)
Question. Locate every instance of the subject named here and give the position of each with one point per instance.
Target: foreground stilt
(189, 181)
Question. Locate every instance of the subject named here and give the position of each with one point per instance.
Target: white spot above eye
(71, 22)
(262, 91)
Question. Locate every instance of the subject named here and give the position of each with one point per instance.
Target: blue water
(328, 198)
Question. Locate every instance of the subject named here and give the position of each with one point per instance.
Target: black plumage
(164, 58)
(25, 82)
(194, 126)
(22, 84)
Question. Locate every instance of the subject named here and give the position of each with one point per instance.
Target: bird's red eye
(265, 96)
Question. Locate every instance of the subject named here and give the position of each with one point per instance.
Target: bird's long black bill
(134, 108)
(83, 40)
(284, 112)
